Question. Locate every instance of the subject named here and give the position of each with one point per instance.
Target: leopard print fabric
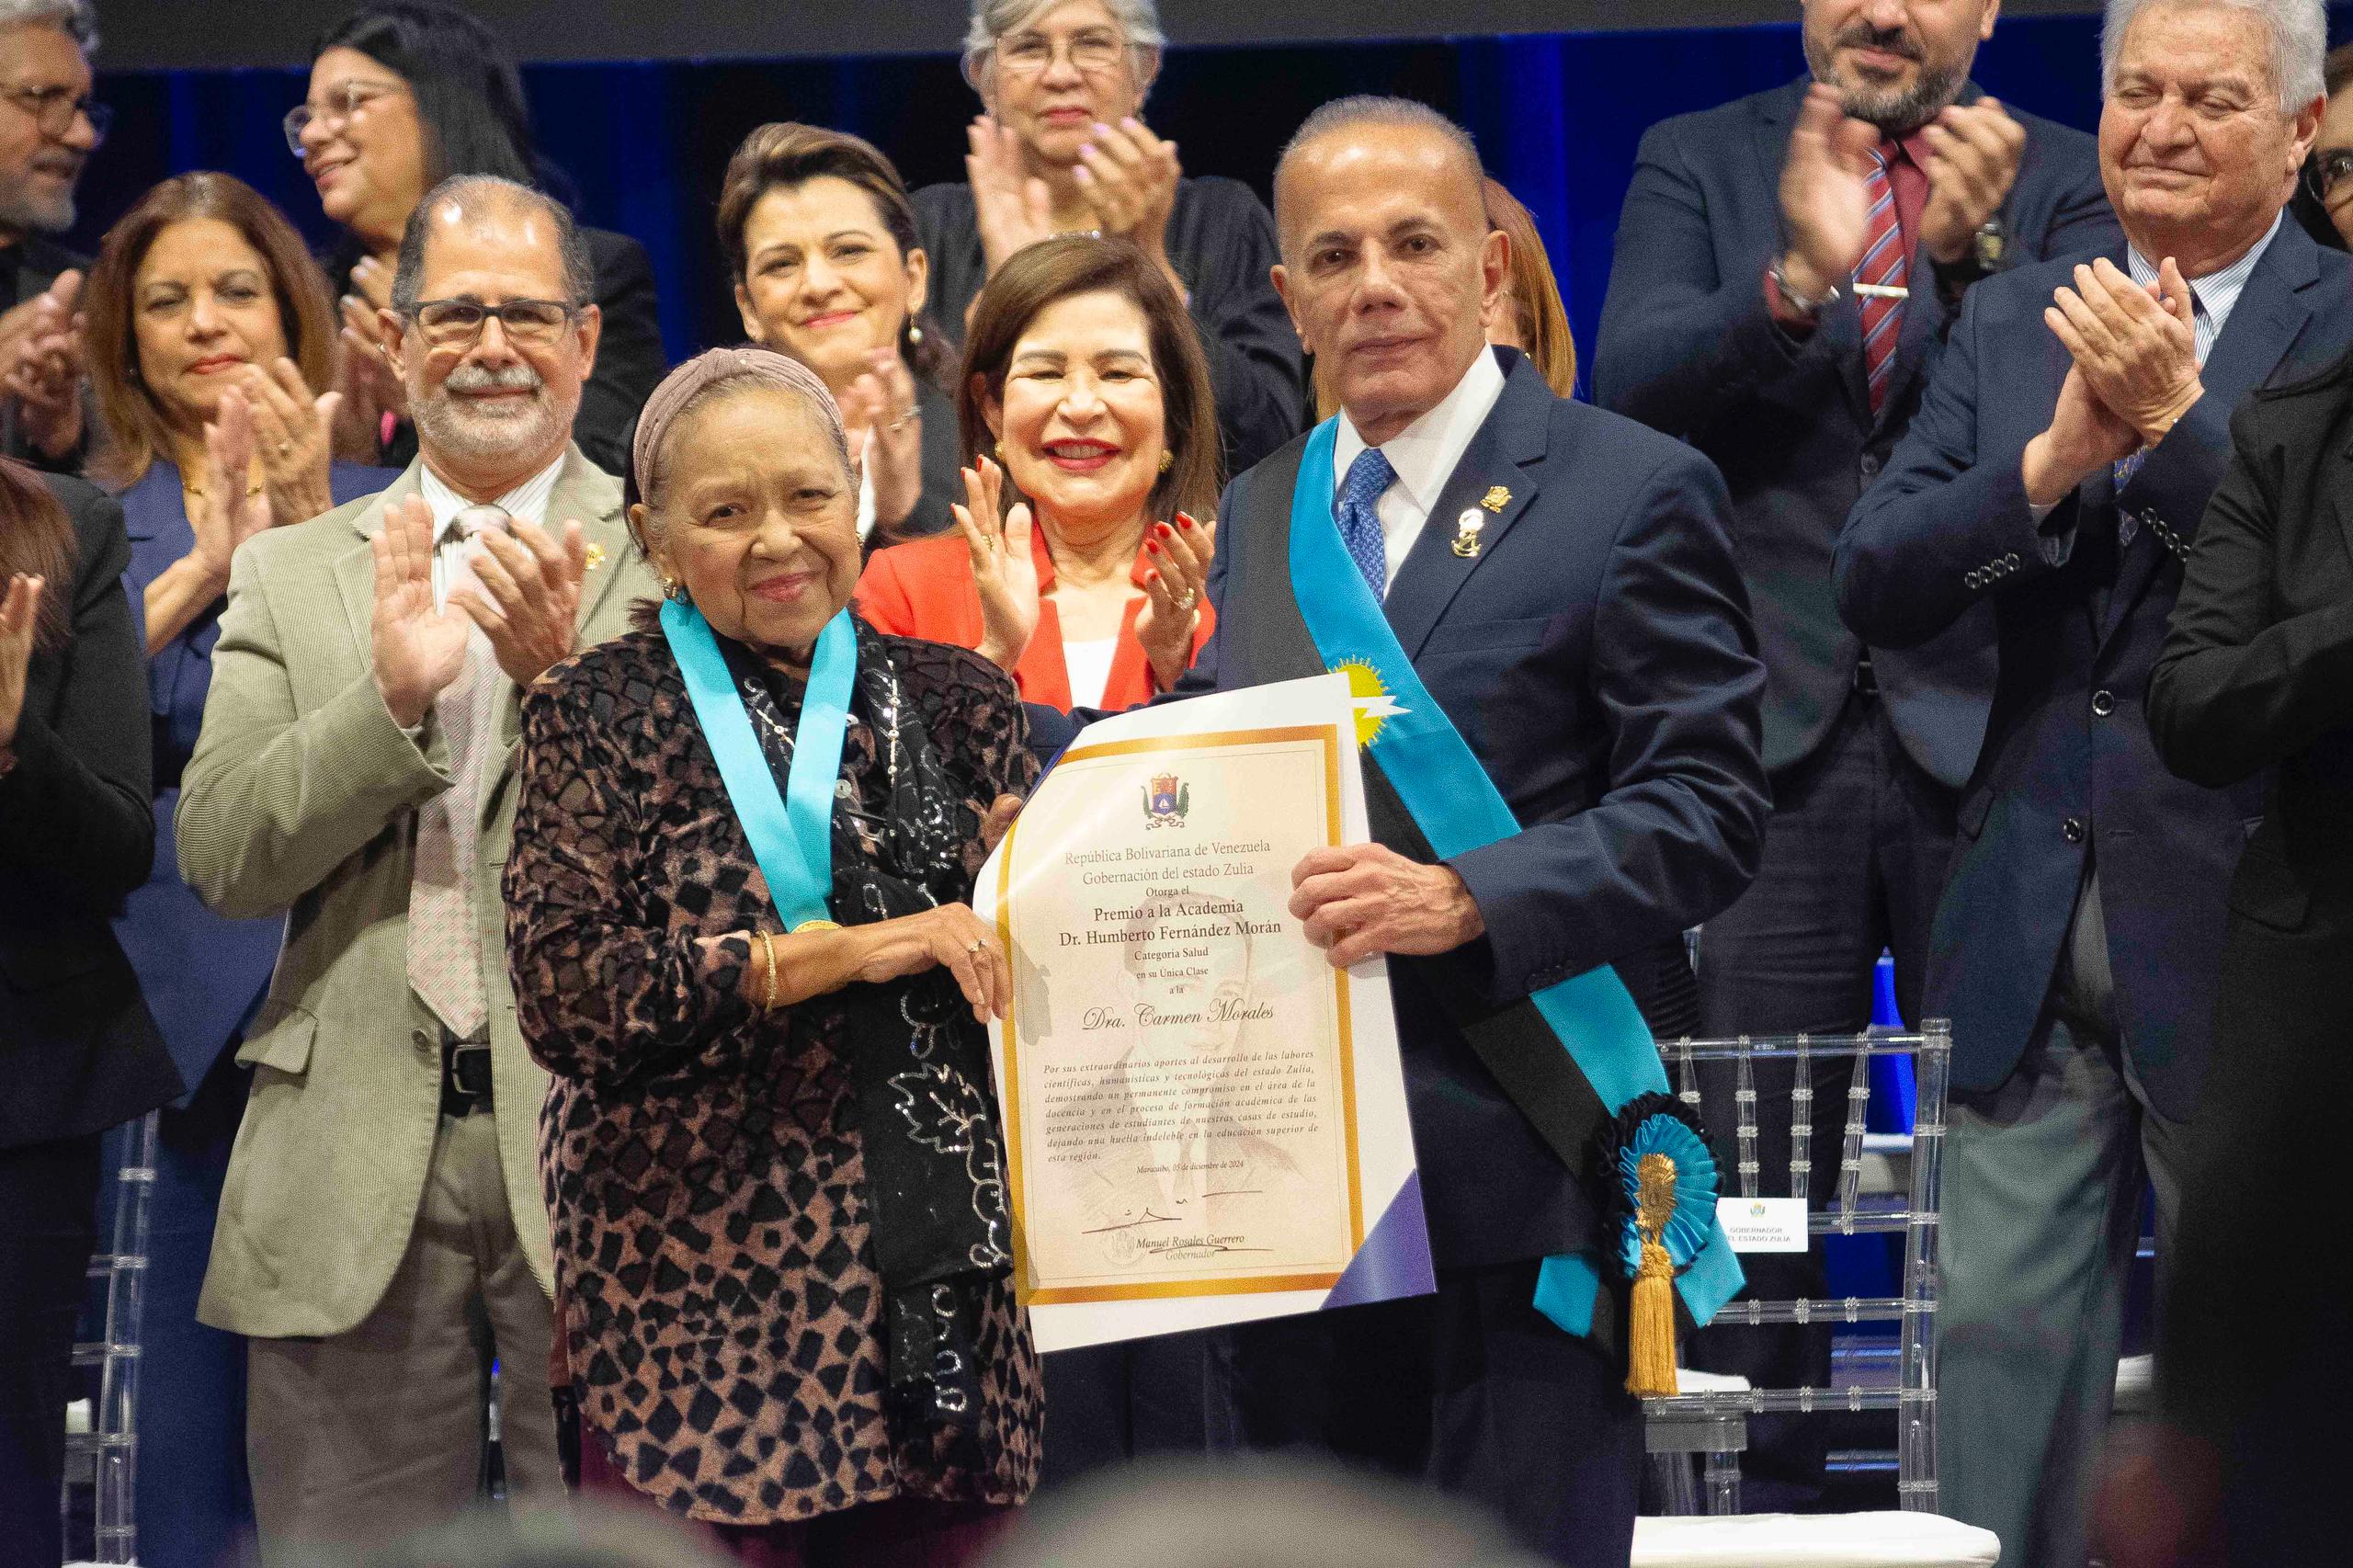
(702, 1169)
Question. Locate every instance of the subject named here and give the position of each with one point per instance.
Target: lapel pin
(592, 557)
(1466, 532)
(1496, 499)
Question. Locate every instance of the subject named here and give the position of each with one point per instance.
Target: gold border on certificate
(1024, 1275)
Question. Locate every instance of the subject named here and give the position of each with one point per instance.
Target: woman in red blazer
(1084, 374)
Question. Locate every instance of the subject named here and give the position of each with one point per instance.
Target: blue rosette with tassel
(1662, 1186)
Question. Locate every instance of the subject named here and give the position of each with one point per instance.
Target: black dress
(78, 1051)
(1222, 240)
(630, 360)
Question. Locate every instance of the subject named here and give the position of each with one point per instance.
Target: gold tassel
(1650, 1334)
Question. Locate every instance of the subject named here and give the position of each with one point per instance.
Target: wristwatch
(1804, 304)
(1988, 252)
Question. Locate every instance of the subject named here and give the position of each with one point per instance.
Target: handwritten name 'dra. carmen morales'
(1224, 1010)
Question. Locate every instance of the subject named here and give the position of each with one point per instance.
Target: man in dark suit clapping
(1547, 594)
(49, 127)
(2058, 469)
(1738, 319)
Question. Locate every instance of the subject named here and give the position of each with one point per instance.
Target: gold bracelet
(768, 985)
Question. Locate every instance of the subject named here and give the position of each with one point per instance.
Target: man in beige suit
(381, 1236)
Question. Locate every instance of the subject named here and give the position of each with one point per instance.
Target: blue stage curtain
(1557, 117)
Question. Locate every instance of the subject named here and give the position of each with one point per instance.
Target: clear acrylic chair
(1709, 1417)
(103, 1462)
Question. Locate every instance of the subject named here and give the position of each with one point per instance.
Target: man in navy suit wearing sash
(1547, 594)
(2058, 471)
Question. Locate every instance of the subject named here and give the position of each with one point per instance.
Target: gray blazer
(301, 797)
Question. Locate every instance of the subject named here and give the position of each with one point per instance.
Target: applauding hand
(530, 598)
(230, 516)
(372, 388)
(294, 433)
(2137, 347)
(1825, 194)
(1003, 567)
(1973, 152)
(1173, 586)
(1129, 176)
(2084, 437)
(2135, 373)
(19, 620)
(417, 651)
(40, 365)
(881, 402)
(1011, 208)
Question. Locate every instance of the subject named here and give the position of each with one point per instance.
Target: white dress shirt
(526, 503)
(1425, 454)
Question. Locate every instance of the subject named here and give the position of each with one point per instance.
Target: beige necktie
(445, 955)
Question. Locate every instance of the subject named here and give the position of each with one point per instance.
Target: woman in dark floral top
(771, 1155)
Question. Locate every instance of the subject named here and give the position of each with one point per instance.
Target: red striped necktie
(1882, 264)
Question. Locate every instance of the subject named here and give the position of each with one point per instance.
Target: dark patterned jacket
(716, 1282)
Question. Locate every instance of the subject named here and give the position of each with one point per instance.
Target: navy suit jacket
(202, 974)
(1689, 346)
(1596, 656)
(2069, 769)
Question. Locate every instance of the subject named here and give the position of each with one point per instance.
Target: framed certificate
(1205, 1120)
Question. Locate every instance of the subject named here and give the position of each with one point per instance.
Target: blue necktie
(1360, 525)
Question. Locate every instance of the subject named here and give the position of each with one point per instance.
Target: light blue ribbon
(792, 834)
(1458, 808)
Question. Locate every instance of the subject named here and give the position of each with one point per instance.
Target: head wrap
(750, 365)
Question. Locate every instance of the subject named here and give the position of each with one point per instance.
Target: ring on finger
(904, 420)
(974, 946)
(1188, 598)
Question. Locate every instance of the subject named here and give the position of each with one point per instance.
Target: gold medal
(817, 925)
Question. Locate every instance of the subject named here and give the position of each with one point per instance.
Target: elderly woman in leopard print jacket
(771, 1153)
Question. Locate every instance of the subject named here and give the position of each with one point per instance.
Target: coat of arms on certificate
(1165, 802)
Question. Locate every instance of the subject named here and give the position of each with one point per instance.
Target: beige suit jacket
(301, 797)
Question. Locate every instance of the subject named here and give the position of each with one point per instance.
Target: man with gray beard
(1787, 267)
(381, 1236)
(49, 127)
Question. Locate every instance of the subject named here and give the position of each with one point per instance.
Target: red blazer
(924, 588)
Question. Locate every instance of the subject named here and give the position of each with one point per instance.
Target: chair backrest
(1852, 1212)
(109, 1449)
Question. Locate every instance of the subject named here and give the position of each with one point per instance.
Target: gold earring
(1167, 459)
(914, 334)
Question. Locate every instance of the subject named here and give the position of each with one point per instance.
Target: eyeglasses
(54, 110)
(2329, 173)
(448, 322)
(1094, 51)
(342, 103)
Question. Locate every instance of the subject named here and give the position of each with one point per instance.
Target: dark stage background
(1557, 117)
